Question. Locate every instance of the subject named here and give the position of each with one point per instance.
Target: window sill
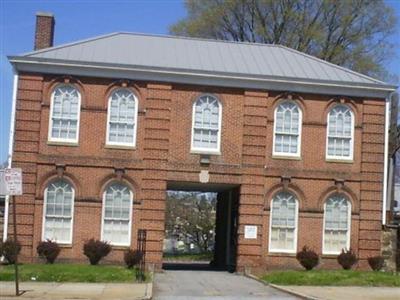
(120, 247)
(338, 160)
(288, 157)
(209, 152)
(63, 245)
(329, 255)
(61, 143)
(120, 147)
(282, 253)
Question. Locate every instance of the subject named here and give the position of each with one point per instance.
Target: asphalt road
(211, 285)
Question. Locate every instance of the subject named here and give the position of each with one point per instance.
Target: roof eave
(299, 85)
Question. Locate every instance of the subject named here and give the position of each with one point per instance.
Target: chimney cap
(44, 14)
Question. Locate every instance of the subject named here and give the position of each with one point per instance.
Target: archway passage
(201, 226)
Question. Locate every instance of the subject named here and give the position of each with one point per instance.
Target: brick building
(295, 147)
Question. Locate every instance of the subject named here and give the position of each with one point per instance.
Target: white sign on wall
(11, 181)
(250, 232)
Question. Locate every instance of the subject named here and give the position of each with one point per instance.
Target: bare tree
(191, 217)
(350, 33)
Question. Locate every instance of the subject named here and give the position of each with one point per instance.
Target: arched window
(283, 223)
(340, 133)
(58, 210)
(287, 129)
(337, 213)
(64, 114)
(117, 214)
(122, 118)
(206, 128)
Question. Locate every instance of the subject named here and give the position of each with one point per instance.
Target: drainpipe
(385, 193)
(10, 149)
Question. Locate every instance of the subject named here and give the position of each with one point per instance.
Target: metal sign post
(11, 185)
(15, 240)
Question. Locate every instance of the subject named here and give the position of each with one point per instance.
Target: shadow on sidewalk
(190, 266)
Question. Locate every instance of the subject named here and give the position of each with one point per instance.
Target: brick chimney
(44, 35)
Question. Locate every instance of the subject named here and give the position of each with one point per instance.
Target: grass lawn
(332, 278)
(189, 257)
(68, 273)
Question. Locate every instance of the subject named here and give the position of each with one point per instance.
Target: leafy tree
(190, 216)
(351, 33)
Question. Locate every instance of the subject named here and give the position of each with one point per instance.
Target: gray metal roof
(199, 56)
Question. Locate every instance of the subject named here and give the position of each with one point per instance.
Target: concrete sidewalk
(82, 291)
(344, 292)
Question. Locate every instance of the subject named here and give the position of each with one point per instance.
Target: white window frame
(334, 157)
(201, 149)
(130, 218)
(44, 214)
(110, 143)
(284, 154)
(348, 234)
(62, 140)
(273, 250)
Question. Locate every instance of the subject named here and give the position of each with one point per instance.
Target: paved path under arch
(211, 285)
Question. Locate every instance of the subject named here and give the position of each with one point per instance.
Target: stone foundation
(390, 248)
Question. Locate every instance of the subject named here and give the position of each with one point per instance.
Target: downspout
(386, 157)
(10, 148)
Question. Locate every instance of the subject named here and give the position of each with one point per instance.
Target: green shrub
(376, 262)
(95, 250)
(307, 258)
(10, 249)
(347, 259)
(132, 258)
(49, 250)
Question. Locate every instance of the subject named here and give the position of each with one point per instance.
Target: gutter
(385, 193)
(137, 72)
(10, 149)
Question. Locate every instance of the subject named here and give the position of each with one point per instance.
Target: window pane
(58, 211)
(283, 221)
(116, 232)
(204, 138)
(206, 122)
(117, 214)
(58, 229)
(59, 199)
(122, 117)
(340, 126)
(337, 211)
(282, 238)
(65, 111)
(287, 128)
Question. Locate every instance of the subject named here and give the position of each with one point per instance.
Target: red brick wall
(162, 154)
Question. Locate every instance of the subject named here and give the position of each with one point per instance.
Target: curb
(289, 291)
(281, 288)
